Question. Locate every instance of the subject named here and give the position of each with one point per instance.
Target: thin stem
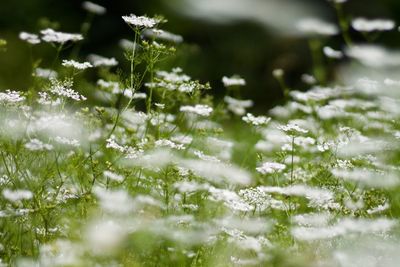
(318, 64)
(292, 163)
(344, 24)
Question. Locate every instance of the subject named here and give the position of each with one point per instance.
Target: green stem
(344, 24)
(318, 64)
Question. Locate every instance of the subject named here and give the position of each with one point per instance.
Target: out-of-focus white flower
(202, 110)
(343, 227)
(266, 13)
(318, 197)
(168, 143)
(201, 155)
(257, 121)
(29, 38)
(338, 1)
(140, 21)
(16, 195)
(37, 145)
(374, 56)
(367, 177)
(126, 44)
(117, 201)
(99, 61)
(51, 36)
(229, 198)
(292, 128)
(175, 76)
(308, 79)
(316, 93)
(238, 106)
(331, 53)
(379, 208)
(314, 26)
(278, 73)
(105, 236)
(93, 8)
(312, 219)
(67, 141)
(163, 35)
(46, 73)
(370, 25)
(271, 167)
(218, 172)
(233, 81)
(190, 186)
(11, 97)
(113, 176)
(76, 65)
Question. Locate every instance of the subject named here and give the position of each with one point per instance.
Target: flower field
(144, 166)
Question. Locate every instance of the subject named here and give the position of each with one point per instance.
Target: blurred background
(250, 38)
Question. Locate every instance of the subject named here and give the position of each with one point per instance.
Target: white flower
(63, 89)
(233, 81)
(105, 236)
(163, 35)
(292, 128)
(338, 1)
(317, 26)
(366, 25)
(317, 197)
(16, 195)
(271, 167)
(218, 172)
(308, 79)
(168, 143)
(257, 121)
(141, 21)
(116, 202)
(201, 155)
(93, 8)
(127, 44)
(373, 55)
(37, 145)
(190, 186)
(11, 97)
(76, 65)
(229, 198)
(369, 178)
(176, 76)
(379, 208)
(45, 73)
(51, 36)
(113, 176)
(128, 93)
(202, 110)
(278, 73)
(99, 61)
(331, 53)
(238, 106)
(345, 226)
(29, 37)
(66, 141)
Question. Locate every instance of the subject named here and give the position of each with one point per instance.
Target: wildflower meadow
(103, 165)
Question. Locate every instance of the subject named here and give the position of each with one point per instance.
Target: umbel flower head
(51, 36)
(370, 25)
(76, 65)
(94, 8)
(29, 38)
(141, 21)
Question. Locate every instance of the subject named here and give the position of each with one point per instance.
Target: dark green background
(210, 51)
